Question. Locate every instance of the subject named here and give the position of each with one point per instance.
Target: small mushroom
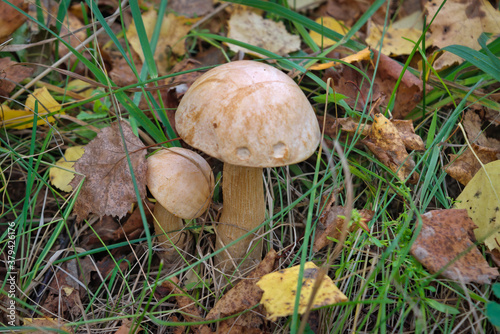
(182, 182)
(250, 116)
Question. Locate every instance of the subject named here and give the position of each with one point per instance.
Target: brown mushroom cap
(181, 181)
(248, 114)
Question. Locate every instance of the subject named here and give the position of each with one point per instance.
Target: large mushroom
(250, 116)
(182, 182)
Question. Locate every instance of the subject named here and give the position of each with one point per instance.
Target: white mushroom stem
(244, 209)
(171, 235)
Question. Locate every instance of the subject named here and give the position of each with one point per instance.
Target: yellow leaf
(395, 39)
(481, 200)
(279, 291)
(248, 27)
(60, 176)
(173, 30)
(364, 54)
(12, 118)
(330, 23)
(81, 87)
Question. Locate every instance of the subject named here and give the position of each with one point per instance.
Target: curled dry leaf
(332, 222)
(280, 291)
(108, 188)
(443, 239)
(350, 83)
(245, 293)
(481, 130)
(251, 28)
(386, 143)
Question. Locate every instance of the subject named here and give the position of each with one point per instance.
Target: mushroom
(250, 116)
(182, 183)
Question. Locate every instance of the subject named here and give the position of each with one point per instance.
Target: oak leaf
(444, 238)
(108, 188)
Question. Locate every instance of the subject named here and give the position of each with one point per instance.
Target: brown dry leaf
(478, 130)
(11, 73)
(54, 323)
(69, 27)
(460, 22)
(108, 187)
(408, 95)
(350, 11)
(444, 236)
(331, 225)
(245, 293)
(10, 18)
(189, 309)
(251, 28)
(280, 291)
(191, 8)
(387, 144)
(463, 167)
(126, 327)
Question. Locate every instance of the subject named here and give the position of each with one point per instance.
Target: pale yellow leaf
(12, 118)
(250, 28)
(481, 200)
(61, 176)
(332, 24)
(364, 54)
(280, 287)
(396, 41)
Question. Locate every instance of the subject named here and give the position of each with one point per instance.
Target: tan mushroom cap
(248, 114)
(181, 181)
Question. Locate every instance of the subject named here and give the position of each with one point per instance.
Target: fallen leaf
(332, 222)
(396, 41)
(364, 54)
(280, 291)
(10, 18)
(171, 40)
(61, 177)
(386, 143)
(245, 294)
(332, 24)
(23, 119)
(251, 28)
(108, 188)
(460, 22)
(11, 73)
(446, 235)
(350, 11)
(481, 200)
(477, 129)
(126, 327)
(303, 5)
(463, 167)
(191, 8)
(351, 83)
(54, 323)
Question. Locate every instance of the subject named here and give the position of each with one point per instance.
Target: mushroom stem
(171, 235)
(244, 209)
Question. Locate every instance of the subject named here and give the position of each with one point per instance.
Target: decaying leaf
(386, 143)
(463, 167)
(54, 323)
(251, 28)
(280, 291)
(23, 119)
(61, 177)
(446, 235)
(108, 188)
(481, 199)
(11, 73)
(191, 8)
(460, 22)
(10, 18)
(332, 24)
(351, 83)
(332, 222)
(480, 129)
(245, 294)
